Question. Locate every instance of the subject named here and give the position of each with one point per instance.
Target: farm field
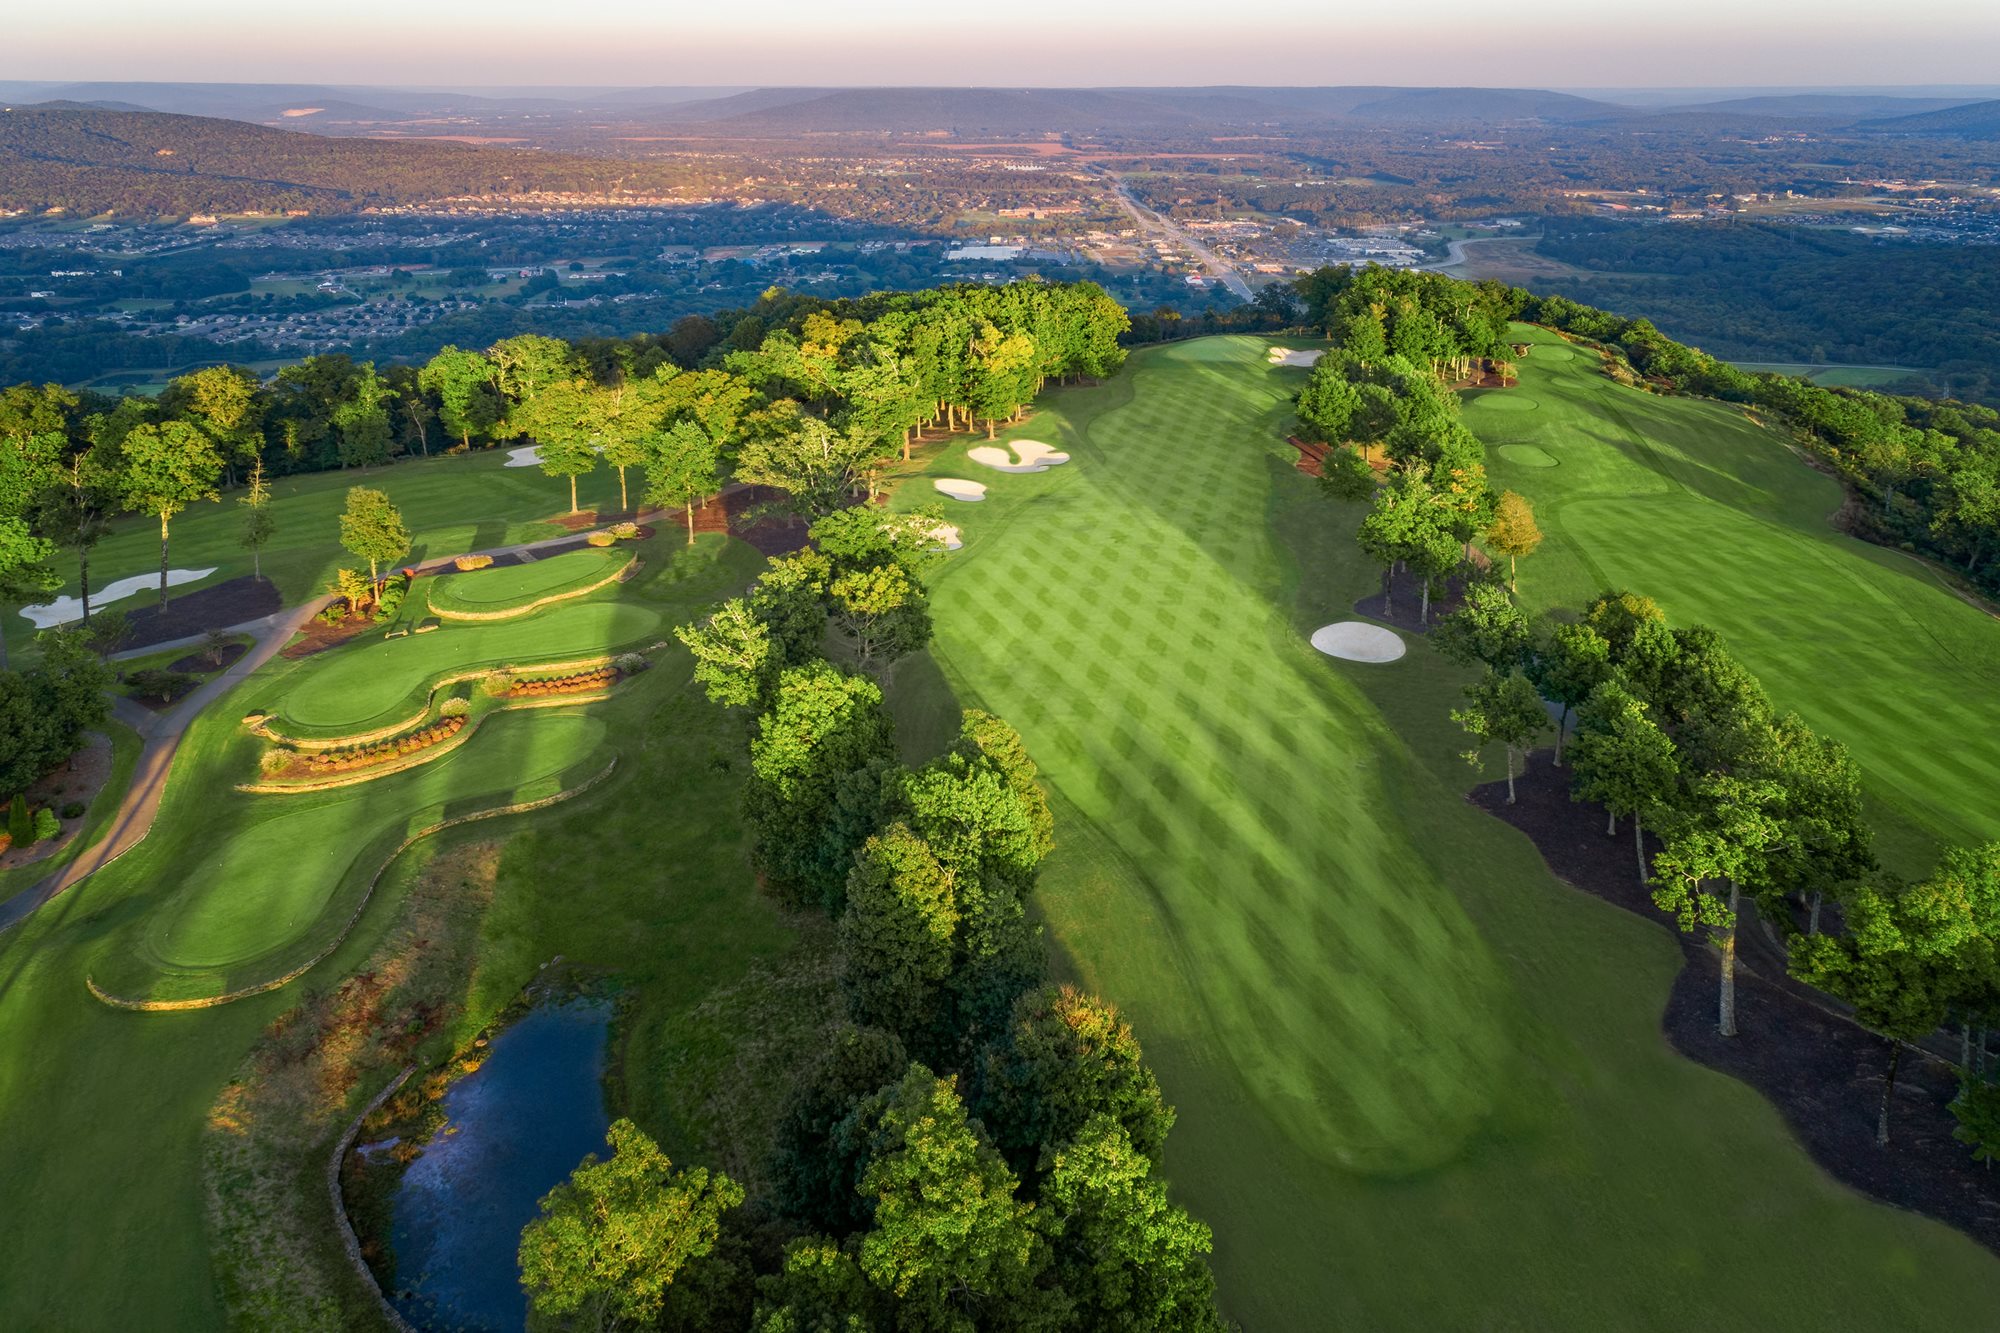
(1696, 506)
(1420, 1083)
(439, 498)
(104, 1109)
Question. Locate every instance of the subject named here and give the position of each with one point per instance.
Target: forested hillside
(89, 161)
(1750, 292)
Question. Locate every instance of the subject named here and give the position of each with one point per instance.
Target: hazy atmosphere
(1036, 43)
(1141, 668)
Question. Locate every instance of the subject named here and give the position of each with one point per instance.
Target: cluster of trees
(1675, 735)
(976, 1147)
(808, 397)
(46, 709)
(1928, 471)
(1383, 396)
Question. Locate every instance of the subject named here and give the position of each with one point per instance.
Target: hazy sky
(1568, 43)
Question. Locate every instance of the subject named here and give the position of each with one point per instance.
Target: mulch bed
(78, 778)
(231, 602)
(750, 513)
(1408, 601)
(316, 636)
(1822, 1071)
(199, 661)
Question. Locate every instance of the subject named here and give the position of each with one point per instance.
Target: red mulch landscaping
(1823, 1072)
(750, 513)
(317, 636)
(231, 602)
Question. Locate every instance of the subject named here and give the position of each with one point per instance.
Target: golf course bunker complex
(65, 609)
(1028, 456)
(1285, 356)
(959, 489)
(528, 457)
(1358, 641)
(947, 537)
(1527, 455)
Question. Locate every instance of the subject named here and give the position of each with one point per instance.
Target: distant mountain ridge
(1975, 120)
(87, 160)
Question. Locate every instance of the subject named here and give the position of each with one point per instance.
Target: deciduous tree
(166, 468)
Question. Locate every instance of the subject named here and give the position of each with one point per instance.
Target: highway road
(1153, 224)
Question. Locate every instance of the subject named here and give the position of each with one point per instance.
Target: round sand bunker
(1358, 641)
(960, 489)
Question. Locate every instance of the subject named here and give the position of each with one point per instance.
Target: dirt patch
(1404, 595)
(231, 602)
(753, 514)
(79, 778)
(1823, 1072)
(200, 663)
(316, 636)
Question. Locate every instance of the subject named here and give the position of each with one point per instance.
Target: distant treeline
(1762, 292)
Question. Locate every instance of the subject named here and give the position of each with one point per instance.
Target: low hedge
(360, 756)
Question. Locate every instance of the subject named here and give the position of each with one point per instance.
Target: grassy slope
(102, 1111)
(1696, 506)
(1421, 1084)
(451, 505)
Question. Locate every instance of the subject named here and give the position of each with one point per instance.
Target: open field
(103, 1109)
(1710, 514)
(468, 502)
(1842, 376)
(1420, 1083)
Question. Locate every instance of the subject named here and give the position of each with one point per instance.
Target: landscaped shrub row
(338, 761)
(572, 684)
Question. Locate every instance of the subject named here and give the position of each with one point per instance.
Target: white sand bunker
(1285, 356)
(969, 491)
(1028, 456)
(65, 609)
(1358, 641)
(528, 457)
(946, 536)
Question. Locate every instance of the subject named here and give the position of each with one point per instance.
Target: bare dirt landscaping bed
(1823, 1072)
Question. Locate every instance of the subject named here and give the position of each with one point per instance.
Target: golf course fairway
(1420, 1082)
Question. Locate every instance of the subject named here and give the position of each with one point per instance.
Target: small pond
(514, 1129)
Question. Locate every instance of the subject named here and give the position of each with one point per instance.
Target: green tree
(992, 741)
(1487, 629)
(74, 511)
(898, 937)
(820, 1289)
(226, 403)
(469, 400)
(565, 418)
(1506, 709)
(1566, 662)
(815, 465)
(610, 1241)
(259, 525)
(25, 572)
(361, 422)
(1908, 953)
(821, 1142)
(1622, 760)
(167, 467)
(1066, 1058)
(372, 529)
(733, 657)
(1722, 834)
(949, 1240)
(816, 769)
(1128, 1260)
(1408, 525)
(682, 466)
(882, 611)
(1828, 842)
(1345, 474)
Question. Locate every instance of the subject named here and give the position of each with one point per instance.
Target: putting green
(1526, 455)
(1501, 400)
(373, 683)
(281, 880)
(1420, 1083)
(1549, 352)
(488, 590)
